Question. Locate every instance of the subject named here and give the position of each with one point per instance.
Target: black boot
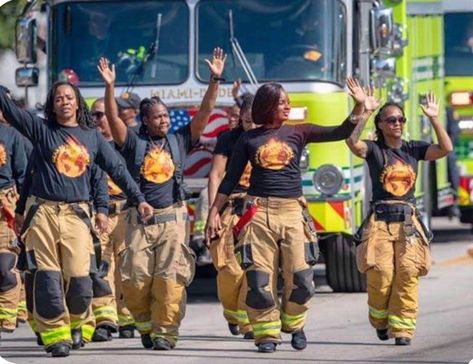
(202, 253)
(146, 341)
(234, 329)
(161, 344)
(249, 335)
(39, 340)
(382, 334)
(299, 340)
(126, 332)
(268, 347)
(59, 350)
(403, 341)
(102, 333)
(77, 341)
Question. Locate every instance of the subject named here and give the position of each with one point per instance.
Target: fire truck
(309, 46)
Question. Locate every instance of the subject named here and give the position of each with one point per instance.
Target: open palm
(371, 102)
(431, 107)
(107, 72)
(217, 64)
(355, 90)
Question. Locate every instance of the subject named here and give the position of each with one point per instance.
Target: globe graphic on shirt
(3, 155)
(245, 177)
(113, 189)
(71, 159)
(398, 178)
(274, 154)
(157, 166)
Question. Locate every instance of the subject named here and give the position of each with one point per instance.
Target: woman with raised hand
(158, 264)
(59, 232)
(393, 245)
(276, 231)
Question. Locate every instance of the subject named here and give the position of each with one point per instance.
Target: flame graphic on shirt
(245, 177)
(158, 166)
(71, 159)
(275, 154)
(113, 189)
(398, 178)
(3, 155)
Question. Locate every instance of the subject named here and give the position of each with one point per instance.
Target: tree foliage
(8, 15)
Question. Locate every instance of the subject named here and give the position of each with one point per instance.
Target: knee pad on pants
(305, 289)
(8, 279)
(101, 287)
(29, 284)
(257, 297)
(48, 294)
(79, 294)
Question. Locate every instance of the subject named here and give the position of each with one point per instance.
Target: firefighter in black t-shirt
(275, 231)
(231, 283)
(393, 249)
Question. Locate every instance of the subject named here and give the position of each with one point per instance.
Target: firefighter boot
(299, 340)
(59, 350)
(77, 341)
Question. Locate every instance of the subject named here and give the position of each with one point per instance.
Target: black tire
(340, 264)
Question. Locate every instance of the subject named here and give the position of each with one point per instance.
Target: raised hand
(371, 102)
(217, 64)
(236, 88)
(431, 107)
(107, 72)
(355, 90)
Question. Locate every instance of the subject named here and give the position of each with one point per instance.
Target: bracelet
(214, 78)
(354, 119)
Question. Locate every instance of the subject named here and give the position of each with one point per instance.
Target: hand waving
(218, 62)
(355, 90)
(107, 72)
(431, 107)
(371, 102)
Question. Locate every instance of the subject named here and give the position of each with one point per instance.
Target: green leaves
(8, 15)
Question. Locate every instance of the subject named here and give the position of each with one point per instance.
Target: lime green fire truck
(458, 19)
(309, 46)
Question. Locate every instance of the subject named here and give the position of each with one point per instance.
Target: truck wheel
(340, 264)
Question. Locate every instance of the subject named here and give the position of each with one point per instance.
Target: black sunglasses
(393, 119)
(98, 114)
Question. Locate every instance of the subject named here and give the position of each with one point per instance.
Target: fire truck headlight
(328, 180)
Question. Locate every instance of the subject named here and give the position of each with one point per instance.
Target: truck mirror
(384, 67)
(27, 76)
(26, 40)
(382, 29)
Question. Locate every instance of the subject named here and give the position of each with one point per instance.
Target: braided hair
(84, 119)
(145, 110)
(380, 115)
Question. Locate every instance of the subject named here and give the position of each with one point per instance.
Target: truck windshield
(297, 40)
(122, 31)
(459, 44)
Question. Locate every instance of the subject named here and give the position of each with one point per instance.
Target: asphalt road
(337, 327)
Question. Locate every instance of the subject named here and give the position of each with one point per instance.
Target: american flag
(198, 161)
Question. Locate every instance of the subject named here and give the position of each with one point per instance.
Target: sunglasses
(393, 119)
(98, 114)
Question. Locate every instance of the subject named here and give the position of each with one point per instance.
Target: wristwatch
(214, 78)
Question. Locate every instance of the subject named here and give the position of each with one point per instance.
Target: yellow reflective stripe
(124, 320)
(164, 335)
(87, 332)
(230, 313)
(378, 314)
(292, 320)
(397, 322)
(33, 325)
(8, 314)
(22, 305)
(272, 328)
(199, 226)
(243, 317)
(59, 334)
(106, 312)
(143, 327)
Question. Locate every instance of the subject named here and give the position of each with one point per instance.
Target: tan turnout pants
(60, 253)
(156, 268)
(276, 238)
(393, 265)
(10, 281)
(231, 281)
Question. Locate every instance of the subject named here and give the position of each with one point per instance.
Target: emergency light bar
(462, 98)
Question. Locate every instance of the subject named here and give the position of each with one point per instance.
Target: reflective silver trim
(428, 8)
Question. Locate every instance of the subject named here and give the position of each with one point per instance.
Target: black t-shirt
(274, 155)
(13, 158)
(225, 146)
(393, 172)
(65, 155)
(154, 172)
